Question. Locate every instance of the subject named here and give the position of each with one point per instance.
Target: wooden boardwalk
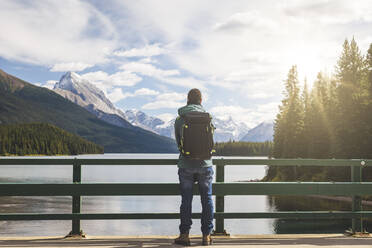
(261, 241)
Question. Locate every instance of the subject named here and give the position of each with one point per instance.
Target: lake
(139, 204)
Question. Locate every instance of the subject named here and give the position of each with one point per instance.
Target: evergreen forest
(333, 119)
(42, 139)
(234, 148)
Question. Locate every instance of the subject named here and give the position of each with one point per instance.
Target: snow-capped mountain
(80, 91)
(228, 129)
(154, 124)
(262, 132)
(225, 129)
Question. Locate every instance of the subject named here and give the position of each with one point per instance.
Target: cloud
(167, 76)
(48, 84)
(343, 12)
(146, 92)
(163, 105)
(48, 33)
(108, 81)
(139, 92)
(116, 95)
(173, 96)
(73, 66)
(148, 70)
(250, 116)
(169, 100)
(146, 51)
(166, 117)
(260, 95)
(246, 20)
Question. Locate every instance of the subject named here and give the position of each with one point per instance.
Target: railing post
(76, 202)
(356, 223)
(220, 200)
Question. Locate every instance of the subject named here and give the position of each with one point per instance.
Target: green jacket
(185, 162)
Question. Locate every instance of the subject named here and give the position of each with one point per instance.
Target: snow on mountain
(262, 132)
(228, 129)
(154, 124)
(80, 91)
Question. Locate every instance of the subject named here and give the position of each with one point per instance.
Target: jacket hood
(190, 108)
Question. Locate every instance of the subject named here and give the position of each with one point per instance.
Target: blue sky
(148, 54)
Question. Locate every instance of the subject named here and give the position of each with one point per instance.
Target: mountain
(225, 129)
(262, 132)
(151, 123)
(22, 102)
(80, 91)
(228, 129)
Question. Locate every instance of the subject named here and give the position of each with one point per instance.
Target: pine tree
(292, 116)
(305, 136)
(351, 128)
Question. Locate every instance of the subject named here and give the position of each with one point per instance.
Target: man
(191, 170)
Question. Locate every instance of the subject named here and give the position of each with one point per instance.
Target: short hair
(194, 96)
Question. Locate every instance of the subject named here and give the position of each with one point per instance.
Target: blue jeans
(204, 177)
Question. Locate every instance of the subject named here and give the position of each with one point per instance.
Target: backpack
(197, 136)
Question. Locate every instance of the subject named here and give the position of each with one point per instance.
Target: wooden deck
(261, 241)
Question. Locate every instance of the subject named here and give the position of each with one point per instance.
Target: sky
(147, 55)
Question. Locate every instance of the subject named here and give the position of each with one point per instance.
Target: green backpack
(197, 136)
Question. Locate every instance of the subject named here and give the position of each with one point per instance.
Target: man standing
(194, 136)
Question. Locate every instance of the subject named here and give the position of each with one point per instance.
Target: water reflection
(312, 203)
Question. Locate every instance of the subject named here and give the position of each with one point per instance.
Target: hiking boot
(207, 240)
(183, 239)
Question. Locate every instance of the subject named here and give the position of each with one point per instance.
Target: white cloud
(163, 105)
(146, 92)
(246, 20)
(260, 95)
(166, 117)
(48, 84)
(173, 96)
(108, 81)
(168, 100)
(54, 32)
(250, 116)
(72, 66)
(146, 51)
(139, 92)
(116, 95)
(343, 11)
(148, 70)
(166, 76)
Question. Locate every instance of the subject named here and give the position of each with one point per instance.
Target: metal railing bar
(155, 162)
(163, 189)
(225, 215)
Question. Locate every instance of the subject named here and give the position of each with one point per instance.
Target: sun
(309, 64)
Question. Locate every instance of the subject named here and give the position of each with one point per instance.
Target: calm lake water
(137, 204)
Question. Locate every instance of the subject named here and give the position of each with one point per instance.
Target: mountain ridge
(22, 102)
(261, 133)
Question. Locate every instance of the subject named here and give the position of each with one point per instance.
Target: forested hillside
(332, 120)
(43, 139)
(22, 102)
